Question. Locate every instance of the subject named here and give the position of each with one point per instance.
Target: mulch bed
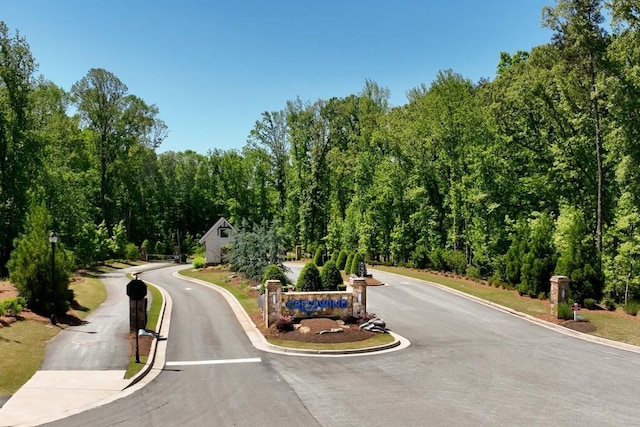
(308, 330)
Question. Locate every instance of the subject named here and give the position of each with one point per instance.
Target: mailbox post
(136, 291)
(576, 308)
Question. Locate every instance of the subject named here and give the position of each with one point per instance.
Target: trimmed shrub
(436, 260)
(273, 272)
(319, 258)
(334, 256)
(131, 252)
(455, 261)
(198, 262)
(342, 259)
(309, 280)
(12, 306)
(347, 263)
(357, 259)
(330, 276)
(609, 303)
(420, 256)
(590, 304)
(564, 311)
(473, 272)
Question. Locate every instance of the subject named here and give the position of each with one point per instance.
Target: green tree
(539, 261)
(20, 154)
(118, 241)
(116, 121)
(578, 256)
(582, 42)
(271, 133)
(30, 266)
(254, 248)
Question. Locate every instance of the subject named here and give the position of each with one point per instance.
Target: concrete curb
(260, 342)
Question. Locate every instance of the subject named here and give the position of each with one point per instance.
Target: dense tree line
(514, 179)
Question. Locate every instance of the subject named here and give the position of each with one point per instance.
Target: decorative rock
(304, 329)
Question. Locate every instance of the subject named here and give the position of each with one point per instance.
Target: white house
(215, 239)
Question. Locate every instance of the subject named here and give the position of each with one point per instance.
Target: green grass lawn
(22, 348)
(240, 291)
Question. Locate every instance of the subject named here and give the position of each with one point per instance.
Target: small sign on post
(576, 308)
(136, 291)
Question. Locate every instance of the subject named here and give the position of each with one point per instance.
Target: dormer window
(223, 230)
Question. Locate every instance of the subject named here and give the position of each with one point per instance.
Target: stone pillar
(359, 289)
(559, 292)
(272, 301)
(298, 252)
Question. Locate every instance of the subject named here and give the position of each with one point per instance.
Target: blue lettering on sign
(309, 306)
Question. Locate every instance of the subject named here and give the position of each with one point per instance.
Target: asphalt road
(98, 345)
(468, 364)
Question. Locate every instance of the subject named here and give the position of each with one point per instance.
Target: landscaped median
(247, 295)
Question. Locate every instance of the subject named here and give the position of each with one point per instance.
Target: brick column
(359, 289)
(272, 301)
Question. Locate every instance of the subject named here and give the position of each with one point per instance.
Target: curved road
(468, 364)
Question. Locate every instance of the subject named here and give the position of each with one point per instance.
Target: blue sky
(211, 67)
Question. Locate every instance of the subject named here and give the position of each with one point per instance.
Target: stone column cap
(556, 278)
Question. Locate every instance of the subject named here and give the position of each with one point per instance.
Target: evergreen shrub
(342, 260)
(455, 261)
(273, 272)
(347, 263)
(309, 280)
(436, 260)
(609, 303)
(590, 304)
(319, 258)
(357, 259)
(330, 276)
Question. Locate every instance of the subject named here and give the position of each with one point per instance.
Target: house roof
(221, 222)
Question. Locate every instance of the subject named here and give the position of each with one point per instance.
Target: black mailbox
(136, 289)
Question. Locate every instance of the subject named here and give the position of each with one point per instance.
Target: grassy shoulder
(614, 325)
(246, 295)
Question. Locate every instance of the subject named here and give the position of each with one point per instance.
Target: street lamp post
(53, 239)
